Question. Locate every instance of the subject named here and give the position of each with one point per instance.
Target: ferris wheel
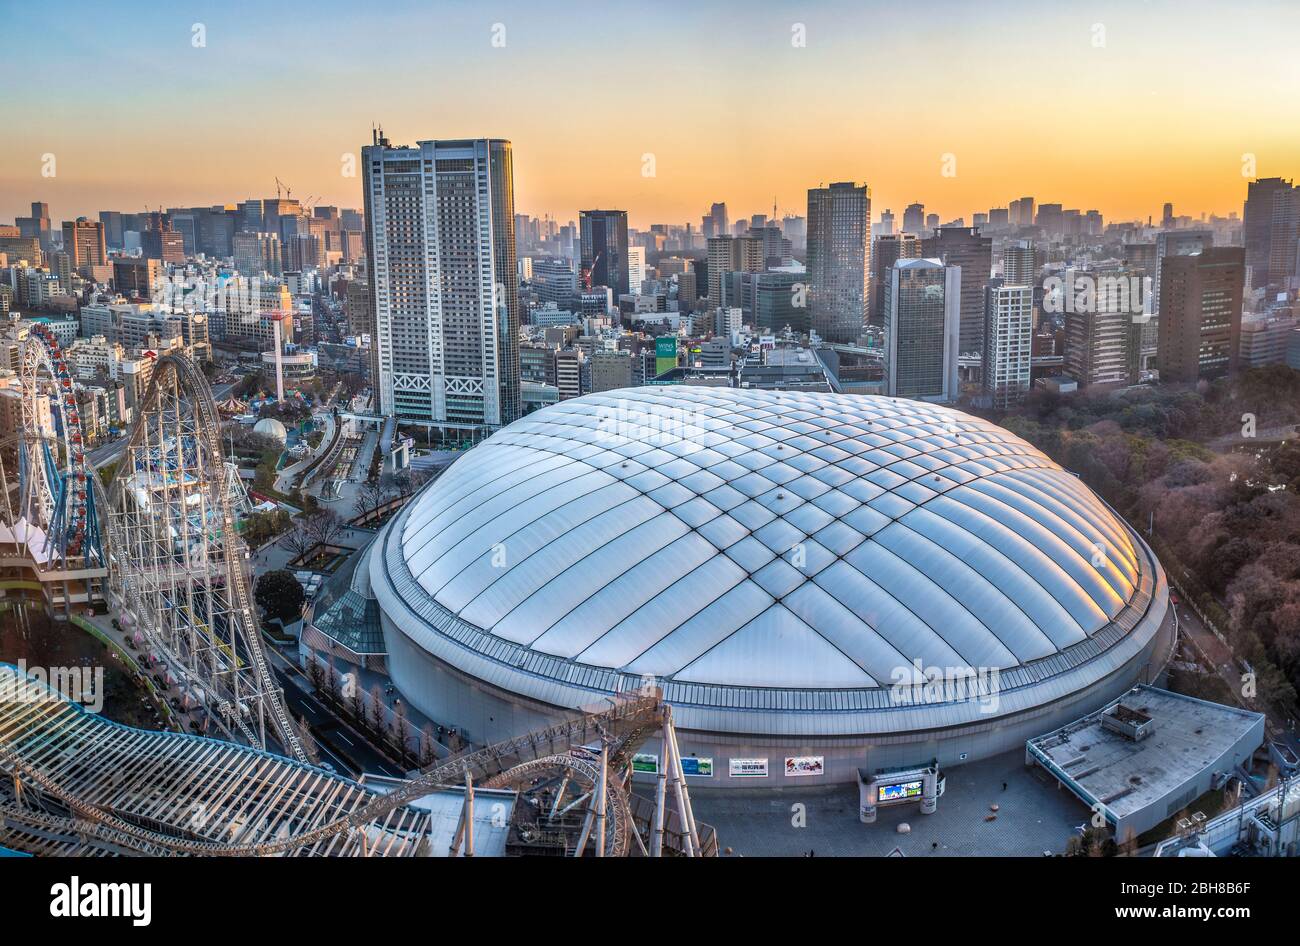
(57, 496)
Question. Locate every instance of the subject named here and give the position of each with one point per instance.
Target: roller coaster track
(620, 729)
(178, 407)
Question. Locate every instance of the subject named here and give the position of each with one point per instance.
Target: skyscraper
(839, 259)
(1021, 212)
(923, 301)
(1176, 243)
(727, 255)
(1269, 230)
(1200, 314)
(443, 280)
(886, 250)
(914, 218)
(604, 248)
(1020, 263)
(715, 222)
(1103, 335)
(84, 243)
(1008, 342)
(635, 269)
(161, 241)
(964, 247)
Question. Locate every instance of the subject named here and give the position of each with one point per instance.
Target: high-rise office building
(923, 301)
(770, 301)
(728, 255)
(1176, 243)
(137, 277)
(635, 269)
(37, 226)
(161, 241)
(1269, 229)
(1021, 212)
(839, 259)
(1051, 218)
(914, 218)
(604, 248)
(886, 250)
(444, 288)
(114, 235)
(1020, 263)
(964, 247)
(248, 216)
(795, 229)
(715, 221)
(1103, 335)
(256, 253)
(83, 241)
(1008, 342)
(886, 225)
(1200, 315)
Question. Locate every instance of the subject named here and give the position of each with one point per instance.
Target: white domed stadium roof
(736, 538)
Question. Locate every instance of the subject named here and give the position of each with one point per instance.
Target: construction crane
(288, 191)
(586, 275)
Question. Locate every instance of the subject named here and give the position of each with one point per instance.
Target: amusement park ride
(49, 517)
(178, 580)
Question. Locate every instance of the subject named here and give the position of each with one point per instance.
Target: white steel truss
(179, 570)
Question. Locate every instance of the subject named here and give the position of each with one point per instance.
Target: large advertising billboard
(645, 762)
(665, 354)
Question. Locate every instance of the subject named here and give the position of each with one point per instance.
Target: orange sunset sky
(1161, 103)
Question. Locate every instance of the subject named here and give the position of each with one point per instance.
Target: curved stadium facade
(858, 581)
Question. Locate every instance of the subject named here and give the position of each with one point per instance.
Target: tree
(280, 596)
(309, 747)
(315, 673)
(376, 709)
(299, 541)
(323, 526)
(428, 754)
(355, 701)
(369, 497)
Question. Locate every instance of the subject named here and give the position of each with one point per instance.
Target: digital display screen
(900, 790)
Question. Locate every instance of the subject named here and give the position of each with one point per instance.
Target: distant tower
(276, 318)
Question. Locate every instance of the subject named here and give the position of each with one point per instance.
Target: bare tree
(315, 672)
(299, 541)
(369, 497)
(358, 706)
(324, 526)
(401, 727)
(428, 754)
(376, 709)
(310, 749)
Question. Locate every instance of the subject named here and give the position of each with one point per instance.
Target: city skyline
(862, 87)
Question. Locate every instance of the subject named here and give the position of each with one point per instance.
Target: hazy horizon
(1018, 97)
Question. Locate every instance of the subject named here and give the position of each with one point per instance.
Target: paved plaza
(1033, 816)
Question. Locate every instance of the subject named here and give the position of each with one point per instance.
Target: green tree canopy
(279, 595)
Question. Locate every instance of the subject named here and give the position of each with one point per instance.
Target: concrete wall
(486, 714)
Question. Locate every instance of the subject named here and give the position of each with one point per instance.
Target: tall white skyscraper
(443, 280)
(923, 328)
(1008, 342)
(635, 269)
